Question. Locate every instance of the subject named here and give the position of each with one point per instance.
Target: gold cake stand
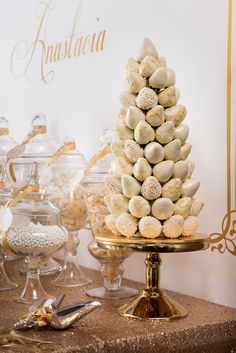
(152, 303)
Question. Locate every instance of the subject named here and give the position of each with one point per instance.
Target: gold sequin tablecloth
(208, 327)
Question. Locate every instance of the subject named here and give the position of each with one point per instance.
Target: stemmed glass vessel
(5, 196)
(64, 191)
(111, 260)
(5, 282)
(36, 230)
(6, 143)
(35, 147)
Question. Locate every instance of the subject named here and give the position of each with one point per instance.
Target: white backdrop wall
(79, 96)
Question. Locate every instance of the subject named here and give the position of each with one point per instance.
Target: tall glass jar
(65, 192)
(5, 196)
(36, 230)
(36, 147)
(94, 184)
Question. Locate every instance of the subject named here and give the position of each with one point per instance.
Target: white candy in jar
(97, 210)
(36, 239)
(70, 202)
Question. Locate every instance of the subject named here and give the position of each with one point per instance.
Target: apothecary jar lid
(40, 145)
(6, 141)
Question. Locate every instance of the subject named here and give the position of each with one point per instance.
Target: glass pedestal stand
(71, 274)
(112, 270)
(33, 289)
(5, 282)
(153, 303)
(47, 266)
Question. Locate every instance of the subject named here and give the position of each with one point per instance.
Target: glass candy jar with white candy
(35, 147)
(64, 191)
(5, 197)
(6, 144)
(96, 185)
(36, 230)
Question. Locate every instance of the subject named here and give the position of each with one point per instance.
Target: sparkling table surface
(207, 328)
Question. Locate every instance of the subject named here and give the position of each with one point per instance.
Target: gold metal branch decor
(226, 239)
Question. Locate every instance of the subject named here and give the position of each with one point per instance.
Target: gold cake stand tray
(153, 303)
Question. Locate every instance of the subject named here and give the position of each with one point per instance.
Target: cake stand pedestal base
(153, 303)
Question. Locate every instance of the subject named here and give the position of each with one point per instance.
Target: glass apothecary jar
(94, 184)
(65, 192)
(35, 147)
(111, 260)
(5, 197)
(36, 230)
(6, 142)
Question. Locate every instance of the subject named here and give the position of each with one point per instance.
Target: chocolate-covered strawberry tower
(151, 189)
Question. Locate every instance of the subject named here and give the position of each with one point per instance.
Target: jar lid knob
(38, 120)
(106, 137)
(3, 122)
(4, 126)
(69, 140)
